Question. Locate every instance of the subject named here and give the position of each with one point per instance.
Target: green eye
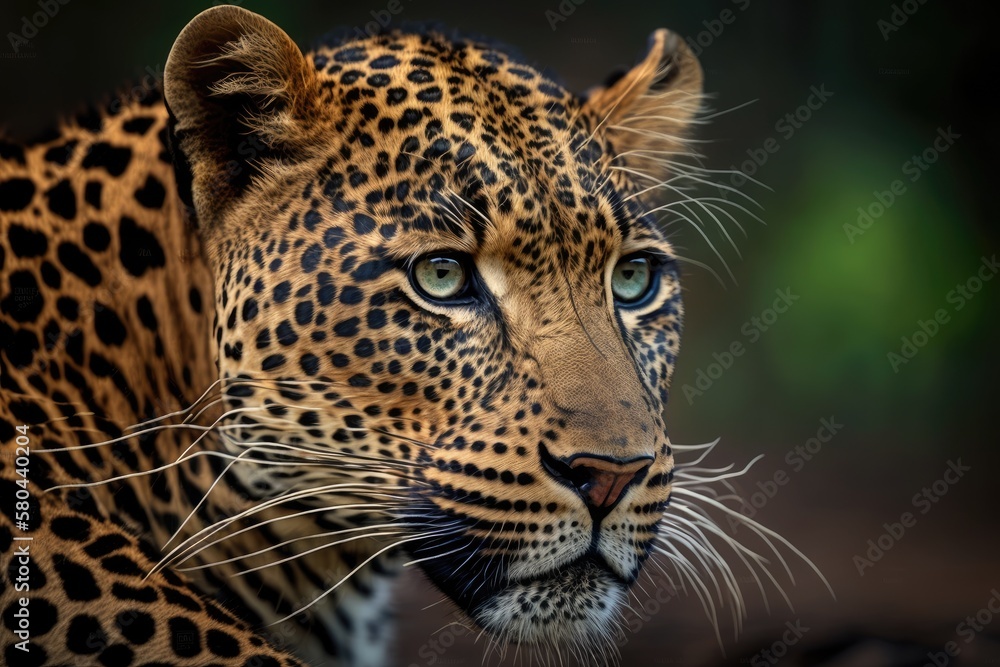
(631, 278)
(439, 277)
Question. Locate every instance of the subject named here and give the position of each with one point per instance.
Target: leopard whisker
(206, 532)
(365, 562)
(696, 541)
(682, 539)
(686, 472)
(699, 521)
(612, 109)
(167, 466)
(441, 555)
(177, 413)
(695, 224)
(685, 569)
(332, 456)
(295, 556)
(296, 515)
(763, 532)
(686, 199)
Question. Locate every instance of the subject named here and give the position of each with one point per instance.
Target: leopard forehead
(435, 143)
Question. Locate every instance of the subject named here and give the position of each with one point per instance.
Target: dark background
(825, 358)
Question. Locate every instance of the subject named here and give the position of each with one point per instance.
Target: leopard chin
(573, 611)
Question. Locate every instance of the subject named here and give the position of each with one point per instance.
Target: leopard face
(440, 281)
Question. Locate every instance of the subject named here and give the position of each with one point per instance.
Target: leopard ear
(646, 112)
(241, 97)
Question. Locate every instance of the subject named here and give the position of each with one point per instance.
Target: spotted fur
(211, 288)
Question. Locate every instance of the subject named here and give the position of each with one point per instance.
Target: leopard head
(441, 289)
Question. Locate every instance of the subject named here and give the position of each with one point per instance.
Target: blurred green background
(827, 356)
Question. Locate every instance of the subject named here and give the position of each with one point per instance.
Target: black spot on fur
(108, 325)
(311, 257)
(151, 194)
(113, 159)
(85, 635)
(185, 638)
(136, 626)
(384, 62)
(62, 199)
(20, 349)
(16, 194)
(347, 328)
(26, 242)
(78, 582)
(222, 644)
(333, 236)
(44, 617)
(24, 301)
(138, 594)
(105, 544)
(351, 295)
(72, 528)
(194, 298)
(12, 152)
(309, 363)
(372, 269)
(139, 249)
(179, 599)
(363, 224)
(51, 275)
(286, 334)
(68, 307)
(61, 154)
(273, 361)
(77, 263)
(96, 236)
(147, 314)
(139, 125)
(122, 565)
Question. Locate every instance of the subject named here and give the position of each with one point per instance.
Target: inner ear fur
(647, 112)
(240, 94)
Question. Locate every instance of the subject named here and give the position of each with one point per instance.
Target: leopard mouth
(589, 564)
(574, 604)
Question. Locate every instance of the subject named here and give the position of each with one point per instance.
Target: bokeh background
(894, 86)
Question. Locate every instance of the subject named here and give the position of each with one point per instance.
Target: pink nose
(602, 482)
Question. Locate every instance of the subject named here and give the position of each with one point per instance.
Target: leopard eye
(631, 279)
(440, 277)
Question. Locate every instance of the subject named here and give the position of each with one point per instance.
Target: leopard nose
(601, 481)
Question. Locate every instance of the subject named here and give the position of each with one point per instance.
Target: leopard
(289, 322)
